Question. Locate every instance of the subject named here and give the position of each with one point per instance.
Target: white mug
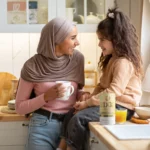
(69, 89)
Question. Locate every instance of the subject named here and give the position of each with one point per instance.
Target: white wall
(145, 44)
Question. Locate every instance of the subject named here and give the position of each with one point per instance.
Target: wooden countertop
(11, 117)
(114, 144)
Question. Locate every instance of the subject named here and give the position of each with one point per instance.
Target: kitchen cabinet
(13, 135)
(85, 13)
(95, 143)
(88, 13)
(27, 16)
(90, 80)
(13, 131)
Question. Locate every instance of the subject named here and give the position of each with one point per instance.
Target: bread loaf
(139, 121)
(5, 87)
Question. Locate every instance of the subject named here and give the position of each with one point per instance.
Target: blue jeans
(44, 133)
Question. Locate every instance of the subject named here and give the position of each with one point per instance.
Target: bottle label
(107, 120)
(107, 108)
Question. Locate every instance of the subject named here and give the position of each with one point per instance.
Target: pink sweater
(25, 105)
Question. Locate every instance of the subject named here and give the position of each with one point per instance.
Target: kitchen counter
(98, 130)
(114, 144)
(14, 128)
(11, 117)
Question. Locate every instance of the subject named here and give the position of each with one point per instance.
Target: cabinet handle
(25, 124)
(93, 140)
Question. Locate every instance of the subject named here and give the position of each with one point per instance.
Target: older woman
(56, 60)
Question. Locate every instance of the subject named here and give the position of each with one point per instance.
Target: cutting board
(129, 132)
(5, 87)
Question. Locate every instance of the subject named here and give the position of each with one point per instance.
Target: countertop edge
(103, 136)
(113, 143)
(6, 117)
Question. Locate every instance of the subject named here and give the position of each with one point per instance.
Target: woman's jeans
(44, 133)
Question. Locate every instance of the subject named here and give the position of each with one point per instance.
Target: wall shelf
(92, 76)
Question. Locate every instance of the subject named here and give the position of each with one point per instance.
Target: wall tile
(79, 39)
(6, 52)
(20, 51)
(33, 43)
(98, 50)
(88, 47)
(98, 53)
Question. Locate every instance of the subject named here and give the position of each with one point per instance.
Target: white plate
(11, 104)
(11, 101)
(129, 132)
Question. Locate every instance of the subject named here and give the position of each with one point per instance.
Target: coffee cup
(69, 89)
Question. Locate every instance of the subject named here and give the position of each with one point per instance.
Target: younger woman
(120, 63)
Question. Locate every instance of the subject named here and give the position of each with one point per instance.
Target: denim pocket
(38, 120)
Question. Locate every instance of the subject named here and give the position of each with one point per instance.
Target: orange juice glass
(121, 116)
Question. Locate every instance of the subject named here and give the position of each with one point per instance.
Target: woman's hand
(85, 96)
(54, 92)
(80, 105)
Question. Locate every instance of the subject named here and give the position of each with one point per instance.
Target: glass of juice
(121, 116)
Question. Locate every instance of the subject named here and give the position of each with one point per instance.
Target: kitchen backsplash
(16, 48)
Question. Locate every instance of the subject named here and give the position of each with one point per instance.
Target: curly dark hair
(118, 28)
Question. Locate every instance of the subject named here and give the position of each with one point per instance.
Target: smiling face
(105, 44)
(67, 46)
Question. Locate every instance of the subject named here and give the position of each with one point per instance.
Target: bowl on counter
(143, 112)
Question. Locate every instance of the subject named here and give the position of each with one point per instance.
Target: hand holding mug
(68, 90)
(54, 92)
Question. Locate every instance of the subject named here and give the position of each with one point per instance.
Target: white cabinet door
(95, 143)
(25, 16)
(86, 13)
(13, 134)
